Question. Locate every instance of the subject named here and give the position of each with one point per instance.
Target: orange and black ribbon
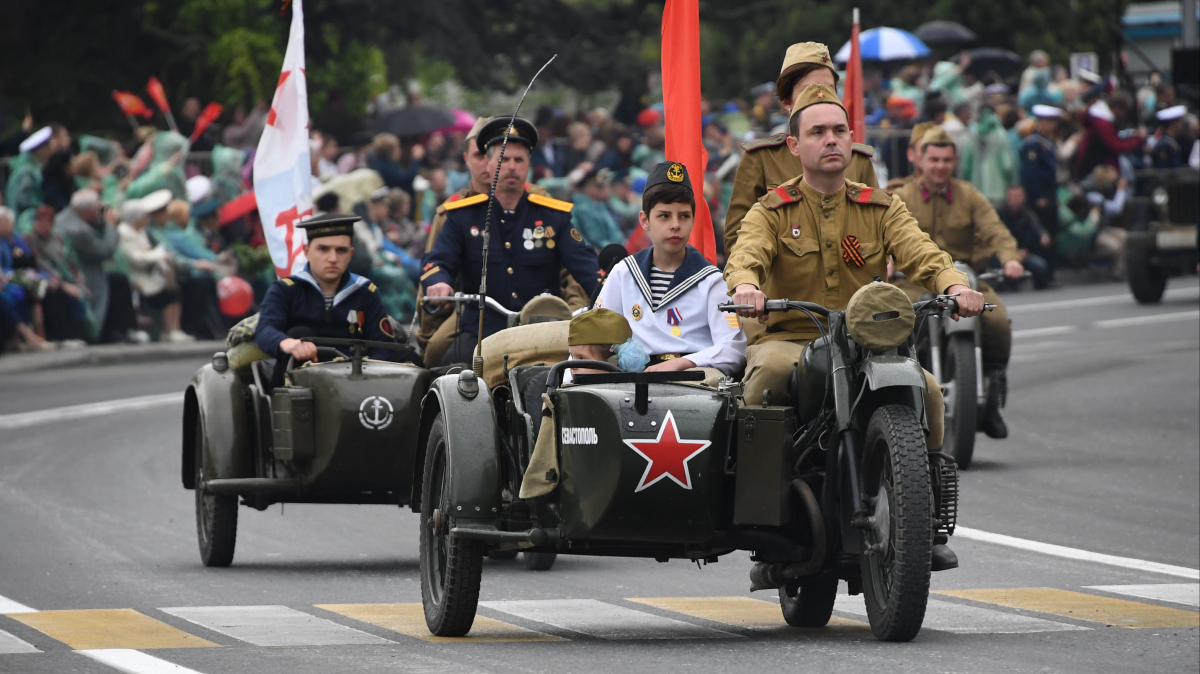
(850, 252)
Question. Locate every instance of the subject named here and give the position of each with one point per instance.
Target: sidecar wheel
(962, 405)
(808, 604)
(899, 543)
(539, 561)
(216, 516)
(451, 567)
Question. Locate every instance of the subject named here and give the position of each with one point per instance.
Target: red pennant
(210, 114)
(155, 89)
(132, 105)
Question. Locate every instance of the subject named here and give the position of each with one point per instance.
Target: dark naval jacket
(297, 302)
(528, 247)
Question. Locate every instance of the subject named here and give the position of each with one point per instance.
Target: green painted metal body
(600, 495)
(351, 460)
(472, 448)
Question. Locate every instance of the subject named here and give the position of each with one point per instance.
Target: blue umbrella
(886, 44)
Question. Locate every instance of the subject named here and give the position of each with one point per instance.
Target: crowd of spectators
(104, 240)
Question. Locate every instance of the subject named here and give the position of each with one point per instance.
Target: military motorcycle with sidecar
(839, 486)
(341, 430)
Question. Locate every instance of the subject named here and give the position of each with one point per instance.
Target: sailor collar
(692, 271)
(350, 283)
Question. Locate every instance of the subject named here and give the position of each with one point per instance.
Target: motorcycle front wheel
(899, 539)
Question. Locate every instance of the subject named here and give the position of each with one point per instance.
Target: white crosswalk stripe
(273, 626)
(602, 620)
(11, 644)
(947, 616)
(1187, 594)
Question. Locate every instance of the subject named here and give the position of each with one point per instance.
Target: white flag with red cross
(282, 172)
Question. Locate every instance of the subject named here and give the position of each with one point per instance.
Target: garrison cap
(329, 224)
(816, 94)
(545, 308)
(668, 173)
(474, 132)
(800, 54)
(936, 135)
(496, 128)
(598, 326)
(918, 132)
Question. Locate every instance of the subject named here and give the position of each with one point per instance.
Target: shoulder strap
(461, 203)
(768, 141)
(550, 202)
(866, 150)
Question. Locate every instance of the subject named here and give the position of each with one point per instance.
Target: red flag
(210, 114)
(681, 100)
(852, 93)
(155, 89)
(132, 105)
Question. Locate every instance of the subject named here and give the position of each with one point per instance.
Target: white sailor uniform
(685, 322)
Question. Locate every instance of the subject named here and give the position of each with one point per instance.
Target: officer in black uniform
(323, 300)
(1166, 153)
(531, 239)
(1039, 167)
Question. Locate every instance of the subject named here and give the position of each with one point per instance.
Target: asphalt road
(1104, 457)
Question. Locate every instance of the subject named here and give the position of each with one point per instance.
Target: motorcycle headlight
(1160, 196)
(879, 316)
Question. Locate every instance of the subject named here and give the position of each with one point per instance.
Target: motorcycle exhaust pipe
(764, 576)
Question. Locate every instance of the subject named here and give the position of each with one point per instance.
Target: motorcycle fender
(219, 400)
(952, 326)
(884, 371)
(472, 448)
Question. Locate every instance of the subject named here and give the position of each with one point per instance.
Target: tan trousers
(769, 366)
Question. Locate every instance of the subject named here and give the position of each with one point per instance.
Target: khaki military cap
(816, 94)
(936, 135)
(799, 54)
(475, 129)
(918, 132)
(598, 326)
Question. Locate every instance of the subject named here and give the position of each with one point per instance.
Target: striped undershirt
(659, 282)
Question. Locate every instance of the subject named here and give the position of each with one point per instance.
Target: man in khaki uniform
(767, 162)
(435, 332)
(962, 222)
(791, 246)
(914, 155)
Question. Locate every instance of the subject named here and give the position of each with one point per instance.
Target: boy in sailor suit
(669, 293)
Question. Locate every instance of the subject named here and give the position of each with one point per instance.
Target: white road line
(1171, 294)
(273, 626)
(9, 606)
(1187, 594)
(9, 422)
(1075, 553)
(135, 662)
(602, 620)
(1149, 320)
(945, 616)
(1044, 332)
(11, 645)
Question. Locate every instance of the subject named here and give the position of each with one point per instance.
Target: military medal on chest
(356, 320)
(636, 312)
(527, 234)
(796, 231)
(851, 252)
(474, 231)
(674, 319)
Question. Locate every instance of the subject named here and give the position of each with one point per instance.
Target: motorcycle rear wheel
(896, 566)
(808, 604)
(962, 405)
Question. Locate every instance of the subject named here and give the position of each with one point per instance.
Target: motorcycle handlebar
(998, 276)
(778, 305)
(460, 298)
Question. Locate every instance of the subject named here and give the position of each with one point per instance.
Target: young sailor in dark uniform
(531, 239)
(323, 300)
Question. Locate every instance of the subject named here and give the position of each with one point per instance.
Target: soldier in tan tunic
(791, 246)
(962, 222)
(914, 156)
(767, 162)
(435, 332)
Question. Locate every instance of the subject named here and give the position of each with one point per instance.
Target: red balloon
(648, 117)
(235, 296)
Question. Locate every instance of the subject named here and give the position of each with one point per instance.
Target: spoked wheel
(808, 604)
(961, 404)
(216, 516)
(539, 561)
(451, 567)
(899, 540)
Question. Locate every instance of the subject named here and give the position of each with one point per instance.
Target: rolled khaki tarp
(541, 477)
(538, 343)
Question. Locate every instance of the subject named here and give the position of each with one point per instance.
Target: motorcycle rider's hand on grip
(969, 302)
(754, 302)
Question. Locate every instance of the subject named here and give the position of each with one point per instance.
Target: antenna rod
(477, 361)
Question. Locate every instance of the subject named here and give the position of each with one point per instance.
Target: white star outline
(668, 420)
